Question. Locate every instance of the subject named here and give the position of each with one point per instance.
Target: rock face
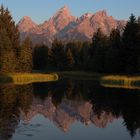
(25, 24)
(66, 27)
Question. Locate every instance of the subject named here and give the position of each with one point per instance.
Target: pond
(68, 109)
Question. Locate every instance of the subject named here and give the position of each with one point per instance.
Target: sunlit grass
(27, 78)
(113, 81)
(130, 82)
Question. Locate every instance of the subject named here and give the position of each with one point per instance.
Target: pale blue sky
(40, 10)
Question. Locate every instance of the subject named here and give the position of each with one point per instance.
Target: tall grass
(113, 81)
(130, 82)
(27, 78)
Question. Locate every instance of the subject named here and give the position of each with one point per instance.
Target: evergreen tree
(76, 47)
(26, 56)
(115, 39)
(57, 57)
(8, 24)
(130, 35)
(99, 44)
(40, 57)
(99, 39)
(70, 59)
(138, 34)
(113, 61)
(10, 41)
(131, 45)
(85, 55)
(7, 61)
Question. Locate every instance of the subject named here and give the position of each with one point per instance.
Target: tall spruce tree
(75, 48)
(40, 57)
(26, 56)
(115, 39)
(7, 61)
(99, 45)
(131, 45)
(130, 35)
(57, 57)
(8, 24)
(69, 59)
(85, 56)
(10, 35)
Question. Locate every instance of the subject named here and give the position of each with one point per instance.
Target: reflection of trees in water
(12, 99)
(78, 100)
(122, 103)
(119, 102)
(72, 90)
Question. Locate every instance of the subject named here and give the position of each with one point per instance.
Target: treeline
(117, 53)
(14, 57)
(60, 56)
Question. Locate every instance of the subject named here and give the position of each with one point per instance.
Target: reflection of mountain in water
(68, 102)
(68, 112)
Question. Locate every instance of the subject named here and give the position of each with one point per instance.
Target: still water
(68, 110)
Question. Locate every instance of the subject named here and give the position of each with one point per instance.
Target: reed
(129, 82)
(27, 78)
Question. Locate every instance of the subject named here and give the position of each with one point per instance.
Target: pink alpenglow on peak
(67, 27)
(26, 23)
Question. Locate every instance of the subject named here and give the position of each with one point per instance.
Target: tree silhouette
(70, 60)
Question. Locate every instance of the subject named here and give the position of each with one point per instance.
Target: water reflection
(12, 100)
(66, 102)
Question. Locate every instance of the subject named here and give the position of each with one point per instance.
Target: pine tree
(57, 57)
(99, 39)
(98, 51)
(10, 35)
(8, 24)
(7, 61)
(75, 48)
(115, 39)
(131, 45)
(85, 55)
(130, 38)
(70, 59)
(40, 57)
(26, 56)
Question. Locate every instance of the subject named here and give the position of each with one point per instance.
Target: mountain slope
(66, 27)
(25, 24)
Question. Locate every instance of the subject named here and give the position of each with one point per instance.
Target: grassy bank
(116, 81)
(27, 78)
(112, 81)
(105, 80)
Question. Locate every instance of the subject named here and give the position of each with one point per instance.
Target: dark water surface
(68, 110)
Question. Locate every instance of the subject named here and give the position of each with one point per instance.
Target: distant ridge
(67, 27)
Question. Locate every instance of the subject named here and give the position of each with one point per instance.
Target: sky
(41, 10)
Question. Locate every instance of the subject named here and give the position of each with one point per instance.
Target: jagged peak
(26, 24)
(63, 11)
(64, 8)
(26, 18)
(101, 13)
(86, 15)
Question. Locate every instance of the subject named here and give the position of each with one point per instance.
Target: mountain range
(67, 27)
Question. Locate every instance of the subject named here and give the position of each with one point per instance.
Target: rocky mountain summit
(67, 27)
